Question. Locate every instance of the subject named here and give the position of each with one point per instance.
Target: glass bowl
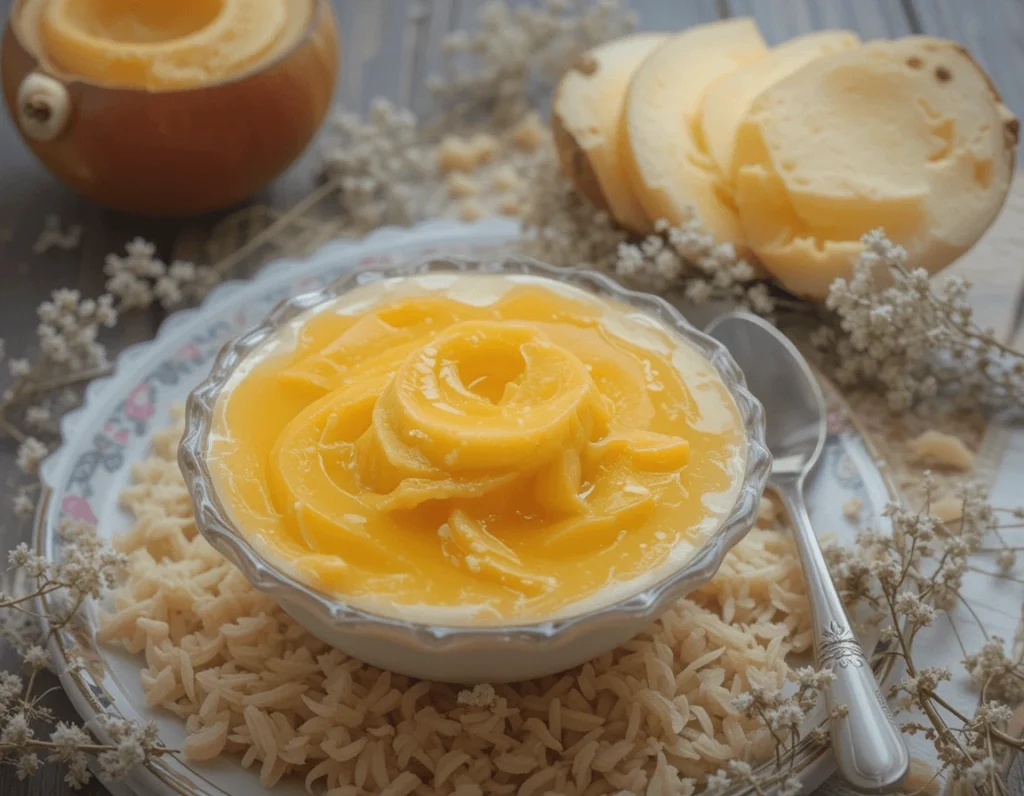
(469, 653)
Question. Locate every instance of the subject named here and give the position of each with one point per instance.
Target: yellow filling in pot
(432, 454)
(162, 45)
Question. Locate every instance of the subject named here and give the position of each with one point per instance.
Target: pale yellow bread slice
(586, 121)
(906, 135)
(729, 98)
(667, 160)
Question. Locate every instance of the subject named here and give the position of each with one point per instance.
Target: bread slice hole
(945, 132)
(982, 173)
(929, 111)
(725, 196)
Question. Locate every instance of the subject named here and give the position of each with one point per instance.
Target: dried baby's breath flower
(686, 258)
(87, 567)
(36, 658)
(19, 367)
(516, 53)
(133, 744)
(70, 346)
(717, 784)
(908, 577)
(992, 670)
(565, 229)
(379, 164)
(37, 416)
(781, 716)
(31, 453)
(562, 227)
(22, 504)
(54, 236)
(897, 329)
(1006, 560)
(139, 278)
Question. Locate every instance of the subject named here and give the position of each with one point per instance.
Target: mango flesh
(160, 45)
(502, 460)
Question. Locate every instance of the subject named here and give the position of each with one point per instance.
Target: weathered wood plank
(778, 20)
(652, 14)
(659, 15)
(371, 35)
(871, 19)
(442, 17)
(783, 19)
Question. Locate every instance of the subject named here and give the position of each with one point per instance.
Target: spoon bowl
(868, 747)
(784, 384)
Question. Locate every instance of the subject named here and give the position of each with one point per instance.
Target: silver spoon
(869, 749)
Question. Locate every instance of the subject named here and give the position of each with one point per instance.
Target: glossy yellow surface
(503, 459)
(163, 44)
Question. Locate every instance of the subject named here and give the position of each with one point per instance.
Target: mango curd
(476, 449)
(161, 45)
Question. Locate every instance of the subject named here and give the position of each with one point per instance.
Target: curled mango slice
(515, 455)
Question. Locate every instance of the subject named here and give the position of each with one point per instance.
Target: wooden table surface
(993, 30)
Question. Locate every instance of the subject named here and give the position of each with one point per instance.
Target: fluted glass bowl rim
(213, 522)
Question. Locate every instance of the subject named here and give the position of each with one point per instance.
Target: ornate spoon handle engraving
(837, 647)
(869, 749)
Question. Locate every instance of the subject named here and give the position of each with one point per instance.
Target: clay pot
(180, 152)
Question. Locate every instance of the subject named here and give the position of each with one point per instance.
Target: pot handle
(44, 107)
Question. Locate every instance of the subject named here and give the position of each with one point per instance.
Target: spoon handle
(868, 747)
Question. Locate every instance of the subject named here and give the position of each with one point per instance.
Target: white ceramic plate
(114, 426)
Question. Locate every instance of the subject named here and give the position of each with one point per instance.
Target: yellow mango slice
(506, 458)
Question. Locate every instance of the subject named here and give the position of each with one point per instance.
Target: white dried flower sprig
(55, 236)
(565, 229)
(29, 734)
(561, 226)
(139, 279)
(898, 329)
(781, 717)
(378, 164)
(908, 578)
(685, 257)
(888, 325)
(518, 53)
(71, 350)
